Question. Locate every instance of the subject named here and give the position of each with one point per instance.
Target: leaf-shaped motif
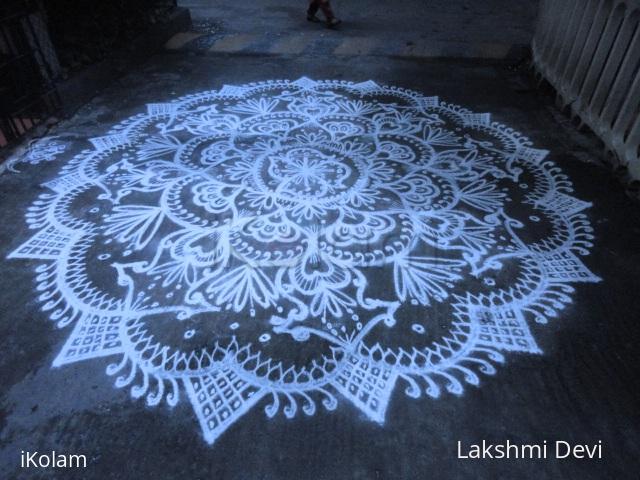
(135, 223)
(424, 278)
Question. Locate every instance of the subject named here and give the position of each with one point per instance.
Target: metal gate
(28, 68)
(589, 50)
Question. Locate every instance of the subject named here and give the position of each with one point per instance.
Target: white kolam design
(283, 245)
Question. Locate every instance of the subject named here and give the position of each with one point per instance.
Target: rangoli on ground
(284, 245)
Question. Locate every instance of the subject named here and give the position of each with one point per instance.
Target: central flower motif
(307, 173)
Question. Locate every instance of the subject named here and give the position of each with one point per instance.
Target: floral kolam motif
(286, 244)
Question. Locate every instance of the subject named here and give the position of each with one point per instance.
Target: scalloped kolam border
(225, 382)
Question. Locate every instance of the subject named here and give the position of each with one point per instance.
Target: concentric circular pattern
(291, 243)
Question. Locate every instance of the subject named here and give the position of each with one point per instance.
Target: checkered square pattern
(110, 141)
(232, 91)
(366, 87)
(47, 244)
(154, 109)
(220, 398)
(567, 204)
(476, 119)
(367, 384)
(429, 102)
(504, 329)
(564, 266)
(93, 336)
(534, 155)
(64, 183)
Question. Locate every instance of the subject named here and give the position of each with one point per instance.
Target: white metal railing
(589, 50)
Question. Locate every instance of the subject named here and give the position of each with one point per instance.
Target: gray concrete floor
(582, 389)
(411, 28)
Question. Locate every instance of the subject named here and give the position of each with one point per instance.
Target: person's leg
(325, 6)
(314, 5)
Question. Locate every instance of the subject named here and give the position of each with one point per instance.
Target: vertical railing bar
(567, 44)
(620, 88)
(628, 110)
(578, 47)
(612, 66)
(586, 57)
(594, 72)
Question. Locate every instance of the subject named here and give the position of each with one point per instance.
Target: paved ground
(571, 379)
(405, 28)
